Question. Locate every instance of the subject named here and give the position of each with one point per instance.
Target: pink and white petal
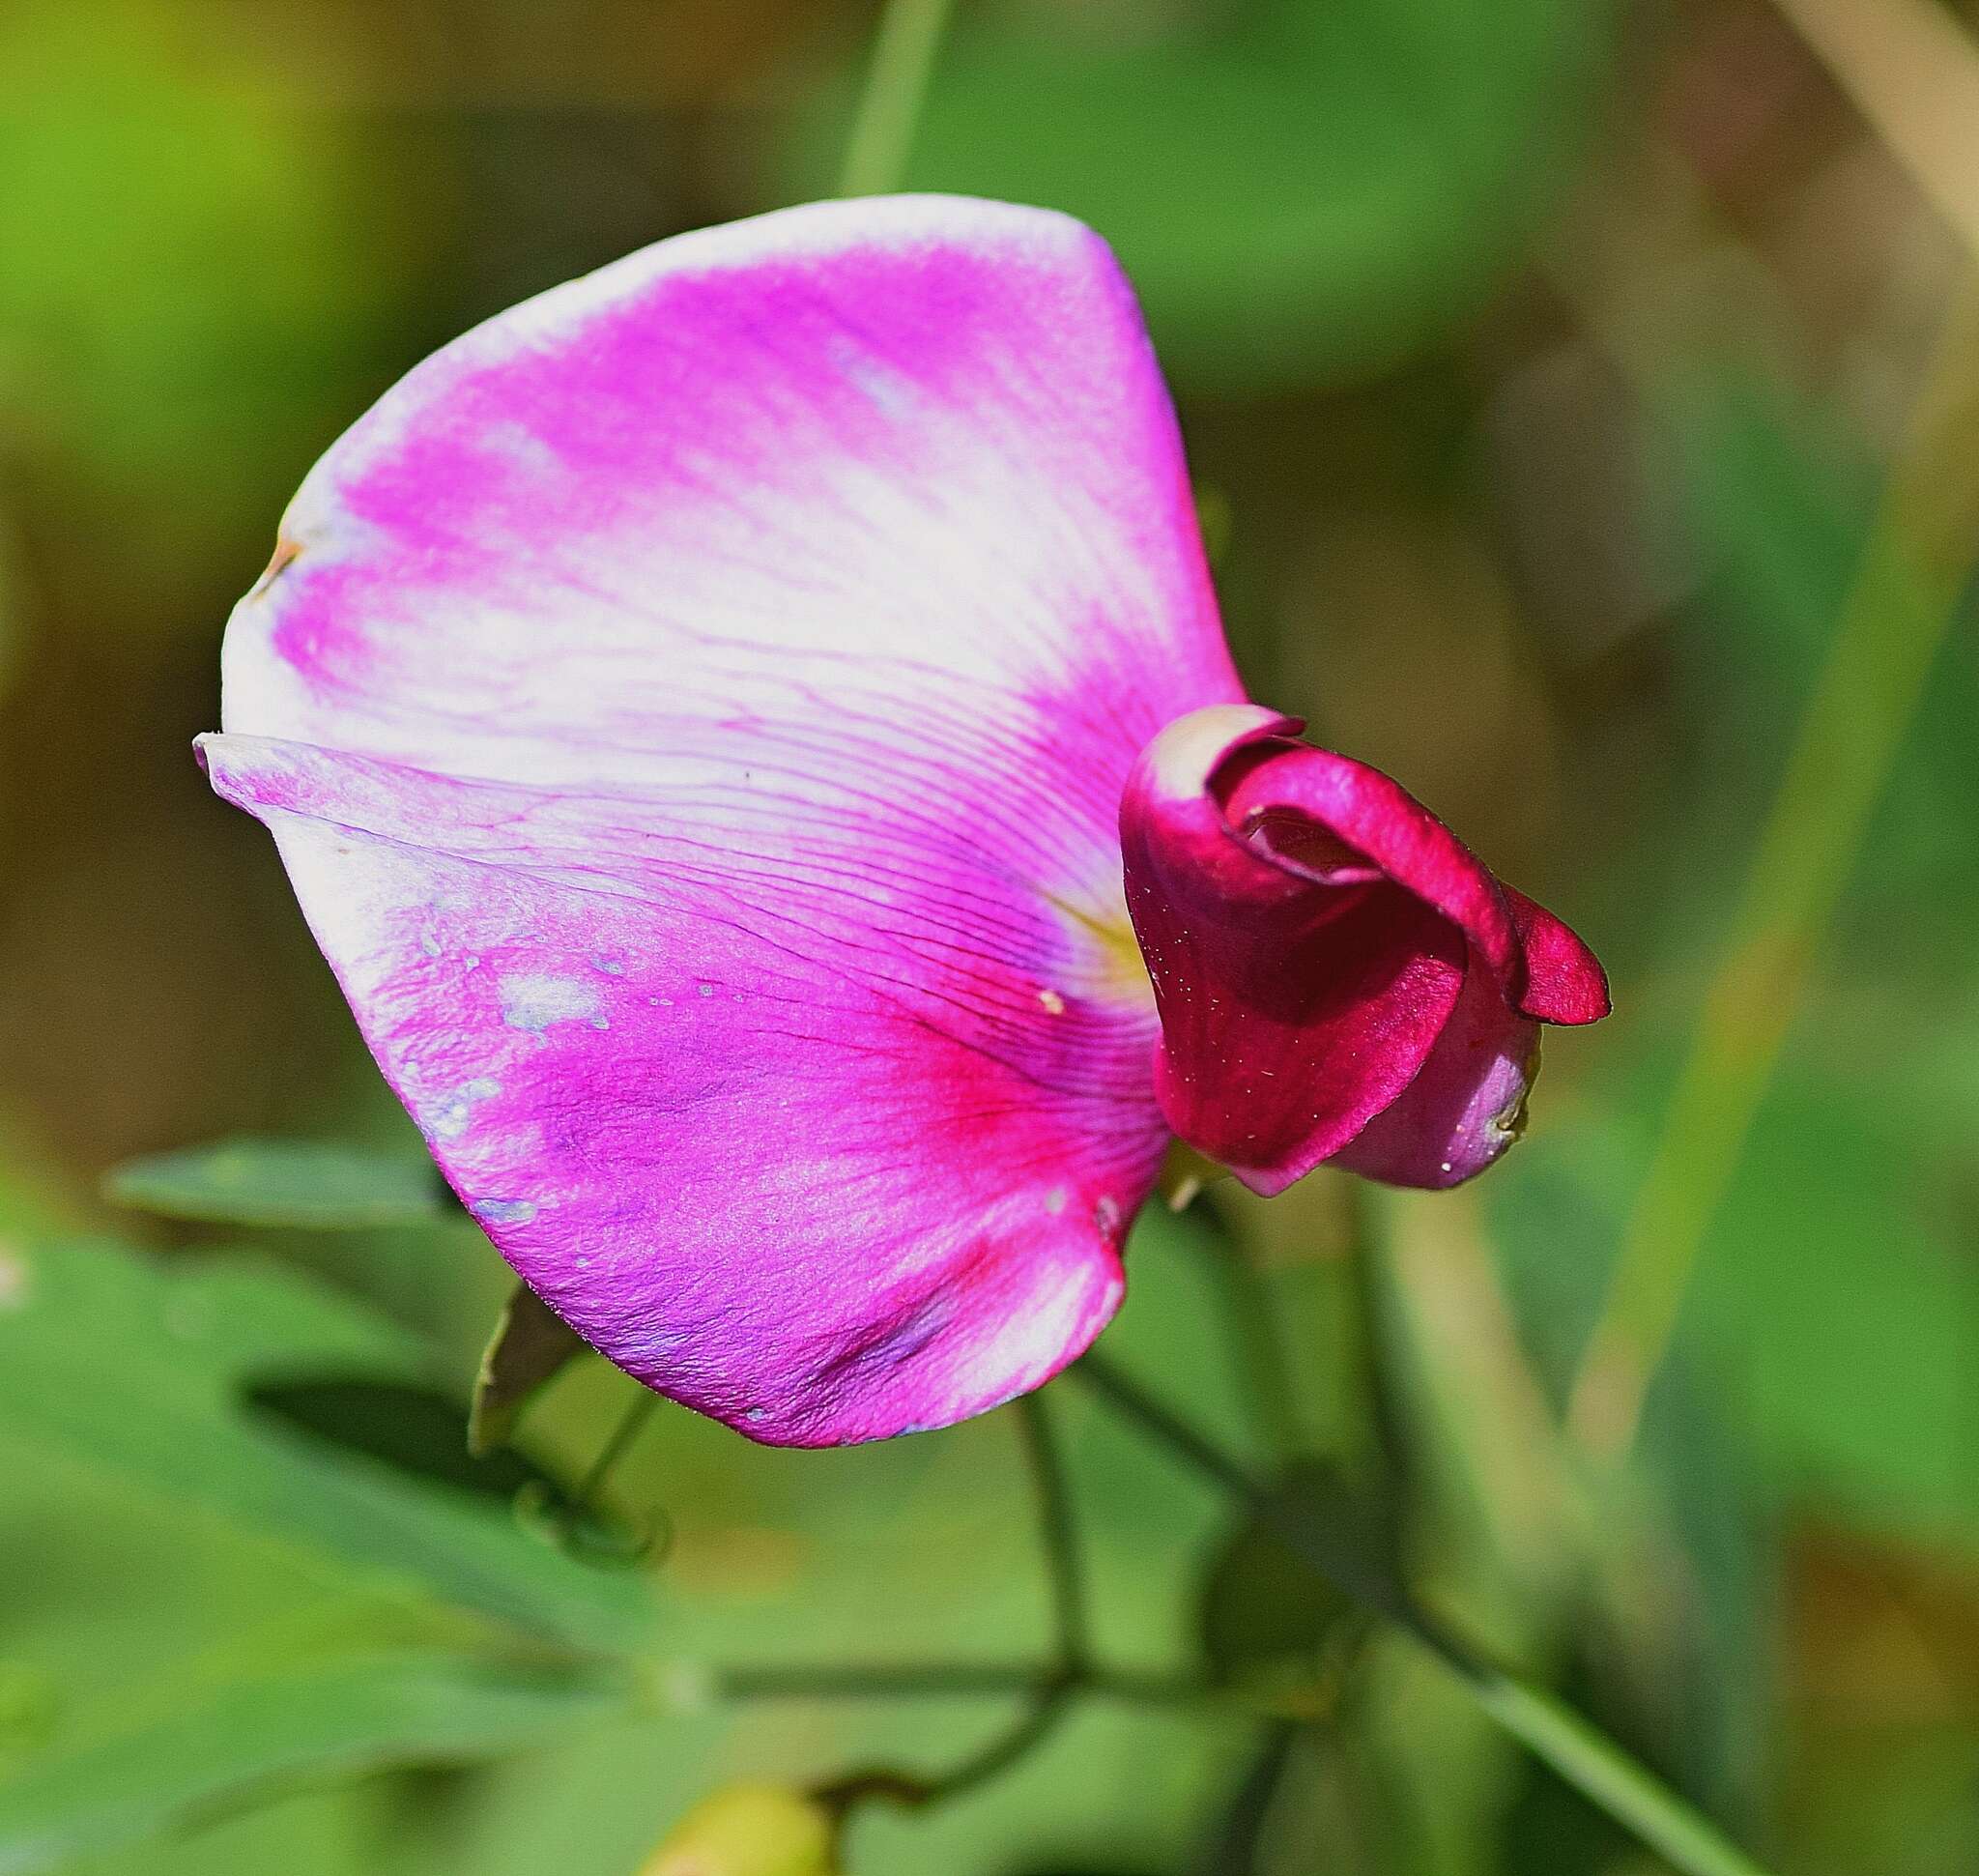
(1298, 990)
(694, 708)
(898, 473)
(821, 1137)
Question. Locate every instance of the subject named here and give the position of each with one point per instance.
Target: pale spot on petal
(534, 999)
(504, 1211)
(449, 1118)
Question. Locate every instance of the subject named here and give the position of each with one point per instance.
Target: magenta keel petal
(1565, 982)
(1298, 995)
(1467, 1103)
(1338, 976)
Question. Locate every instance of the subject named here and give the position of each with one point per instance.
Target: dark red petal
(1466, 1104)
(1299, 990)
(1337, 974)
(1565, 982)
(1381, 820)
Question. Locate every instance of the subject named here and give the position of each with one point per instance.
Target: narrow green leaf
(1600, 1771)
(314, 1185)
(251, 1739)
(150, 1374)
(529, 1344)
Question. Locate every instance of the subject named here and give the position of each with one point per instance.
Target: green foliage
(351, 1604)
(178, 311)
(1298, 191)
(1834, 1303)
(141, 1373)
(251, 1738)
(1782, 500)
(311, 1185)
(1266, 1612)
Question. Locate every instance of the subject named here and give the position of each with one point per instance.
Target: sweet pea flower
(737, 724)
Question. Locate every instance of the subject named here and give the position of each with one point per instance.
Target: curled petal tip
(1564, 981)
(1175, 766)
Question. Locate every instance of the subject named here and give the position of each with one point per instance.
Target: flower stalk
(1892, 625)
(895, 89)
(1546, 1726)
(1050, 1696)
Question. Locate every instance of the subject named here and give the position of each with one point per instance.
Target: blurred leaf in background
(147, 1374)
(310, 1184)
(312, 1606)
(1299, 191)
(181, 322)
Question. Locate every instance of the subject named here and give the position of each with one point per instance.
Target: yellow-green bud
(749, 1830)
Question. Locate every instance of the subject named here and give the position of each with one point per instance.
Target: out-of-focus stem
(1256, 1347)
(638, 1411)
(890, 102)
(1048, 1695)
(956, 1680)
(1491, 1415)
(1920, 550)
(913, 1792)
(1060, 1542)
(1552, 1731)
(1912, 71)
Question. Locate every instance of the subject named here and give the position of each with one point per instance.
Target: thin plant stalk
(631, 1424)
(895, 90)
(1063, 1563)
(1895, 618)
(1554, 1733)
(1050, 1696)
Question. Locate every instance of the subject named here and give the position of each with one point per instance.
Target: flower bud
(749, 1830)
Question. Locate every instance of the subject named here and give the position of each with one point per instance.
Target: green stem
(1553, 1732)
(1373, 1332)
(906, 1788)
(958, 1681)
(1892, 623)
(1062, 1562)
(579, 1524)
(895, 89)
(1601, 1771)
(1255, 1340)
(585, 1498)
(1048, 1697)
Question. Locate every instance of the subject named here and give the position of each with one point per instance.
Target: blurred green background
(1545, 365)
